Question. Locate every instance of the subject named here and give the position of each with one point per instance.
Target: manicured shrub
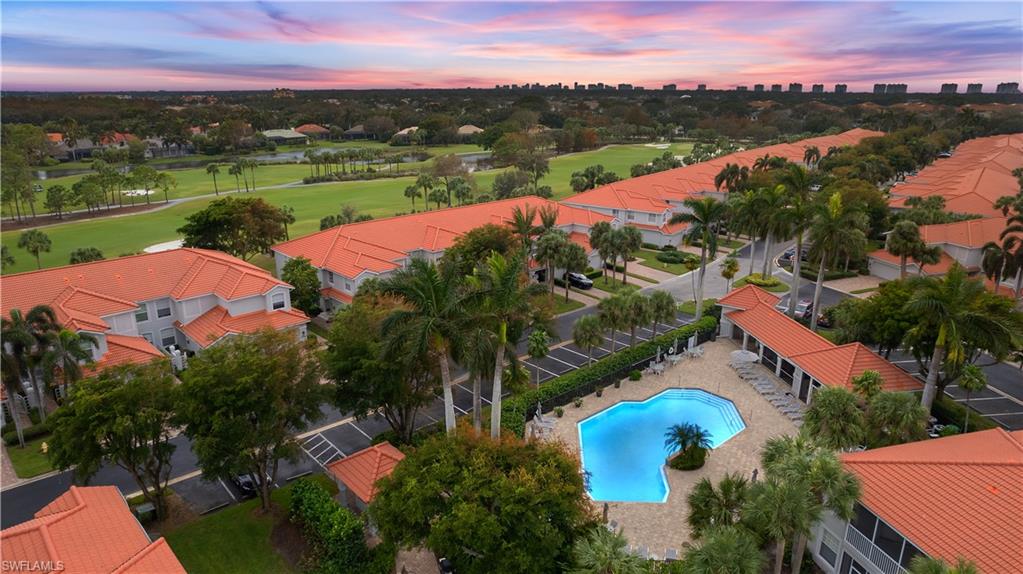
(950, 430)
(599, 392)
(578, 402)
(31, 433)
(673, 257)
(691, 459)
(669, 247)
(559, 412)
(635, 375)
(949, 412)
(759, 281)
(650, 246)
(335, 535)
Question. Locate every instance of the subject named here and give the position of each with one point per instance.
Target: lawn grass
(689, 307)
(781, 287)
(562, 305)
(236, 539)
(380, 198)
(648, 258)
(29, 461)
(614, 287)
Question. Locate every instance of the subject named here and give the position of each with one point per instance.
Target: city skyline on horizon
(146, 46)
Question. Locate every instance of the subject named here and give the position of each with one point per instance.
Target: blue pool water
(623, 446)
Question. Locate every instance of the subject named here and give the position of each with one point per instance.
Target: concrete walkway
(647, 271)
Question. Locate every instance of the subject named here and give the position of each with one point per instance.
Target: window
(632, 216)
(651, 218)
(167, 337)
(850, 566)
(348, 286)
(148, 337)
(908, 553)
(888, 540)
(330, 276)
(864, 521)
(278, 301)
(142, 314)
(829, 547)
(614, 212)
(163, 309)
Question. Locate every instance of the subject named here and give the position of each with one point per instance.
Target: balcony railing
(875, 555)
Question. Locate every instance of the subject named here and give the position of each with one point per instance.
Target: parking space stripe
(537, 367)
(229, 493)
(562, 362)
(574, 352)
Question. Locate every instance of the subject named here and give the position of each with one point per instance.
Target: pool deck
(663, 525)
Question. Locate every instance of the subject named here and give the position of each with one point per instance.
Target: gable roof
(952, 496)
(748, 296)
(216, 323)
(82, 294)
(836, 367)
(776, 330)
(121, 350)
(311, 129)
(970, 233)
(90, 530)
(361, 471)
(380, 245)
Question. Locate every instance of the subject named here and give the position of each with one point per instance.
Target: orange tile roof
(118, 138)
(216, 323)
(91, 531)
(748, 296)
(776, 330)
(836, 367)
(652, 192)
(960, 495)
(122, 350)
(336, 294)
(311, 129)
(55, 137)
(944, 263)
(82, 294)
(971, 233)
(361, 471)
(381, 245)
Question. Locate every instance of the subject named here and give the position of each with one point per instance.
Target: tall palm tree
(776, 221)
(811, 156)
(662, 308)
(506, 306)
(588, 334)
(703, 217)
(434, 316)
(10, 371)
(904, 242)
(64, 354)
(476, 353)
(973, 380)
(600, 235)
(712, 506)
(952, 307)
(236, 171)
(603, 551)
(895, 418)
(834, 419)
(523, 227)
(746, 216)
(613, 315)
(25, 334)
(548, 249)
(213, 169)
(629, 239)
(35, 242)
(725, 550)
(412, 192)
(239, 166)
(729, 269)
(786, 509)
(538, 345)
(638, 313)
(548, 217)
(798, 214)
(833, 225)
(1001, 260)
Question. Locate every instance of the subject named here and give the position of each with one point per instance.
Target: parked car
(804, 309)
(824, 320)
(245, 485)
(578, 280)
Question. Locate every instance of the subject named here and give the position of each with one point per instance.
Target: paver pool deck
(663, 525)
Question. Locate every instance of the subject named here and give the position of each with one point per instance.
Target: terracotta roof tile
(776, 330)
(361, 471)
(337, 294)
(748, 296)
(940, 268)
(960, 495)
(123, 350)
(836, 367)
(214, 324)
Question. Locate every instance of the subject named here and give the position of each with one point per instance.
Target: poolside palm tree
(213, 169)
(35, 242)
(895, 418)
(785, 509)
(64, 354)
(952, 307)
(682, 438)
(703, 217)
(834, 419)
(434, 315)
(927, 565)
(538, 345)
(833, 226)
(662, 308)
(604, 552)
(725, 550)
(613, 315)
(713, 506)
(904, 241)
(588, 333)
(973, 380)
(505, 305)
(25, 335)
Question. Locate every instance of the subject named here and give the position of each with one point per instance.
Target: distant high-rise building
(775, 87)
(623, 87)
(817, 88)
(949, 88)
(974, 88)
(1007, 88)
(669, 87)
(878, 88)
(895, 88)
(796, 88)
(758, 87)
(841, 88)
(701, 87)
(741, 88)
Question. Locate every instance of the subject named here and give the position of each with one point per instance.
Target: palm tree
(239, 167)
(538, 345)
(746, 216)
(868, 384)
(681, 438)
(289, 219)
(785, 509)
(952, 307)
(833, 226)
(6, 259)
(35, 242)
(572, 259)
(895, 418)
(548, 250)
(926, 565)
(236, 171)
(775, 221)
(213, 169)
(614, 316)
(999, 261)
(796, 218)
(25, 335)
(662, 308)
(629, 239)
(603, 551)
(811, 156)
(834, 419)
(252, 165)
(600, 239)
(588, 333)
(412, 192)
(904, 242)
(637, 312)
(476, 353)
(434, 317)
(10, 371)
(725, 550)
(523, 227)
(973, 380)
(64, 354)
(703, 217)
(506, 304)
(548, 217)
(426, 183)
(711, 506)
(729, 269)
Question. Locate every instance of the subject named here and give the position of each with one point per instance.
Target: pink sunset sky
(305, 45)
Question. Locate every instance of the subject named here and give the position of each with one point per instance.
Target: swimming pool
(623, 446)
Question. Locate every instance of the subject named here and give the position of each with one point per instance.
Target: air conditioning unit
(178, 359)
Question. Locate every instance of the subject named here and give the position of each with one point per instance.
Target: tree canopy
(242, 227)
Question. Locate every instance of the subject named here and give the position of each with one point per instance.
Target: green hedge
(32, 432)
(335, 535)
(561, 390)
(674, 257)
(811, 274)
(949, 412)
(691, 460)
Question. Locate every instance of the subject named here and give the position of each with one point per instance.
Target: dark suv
(578, 280)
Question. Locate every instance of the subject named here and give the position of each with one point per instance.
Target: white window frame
(348, 286)
(277, 298)
(159, 311)
(144, 310)
(651, 218)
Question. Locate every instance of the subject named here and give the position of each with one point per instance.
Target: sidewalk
(8, 477)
